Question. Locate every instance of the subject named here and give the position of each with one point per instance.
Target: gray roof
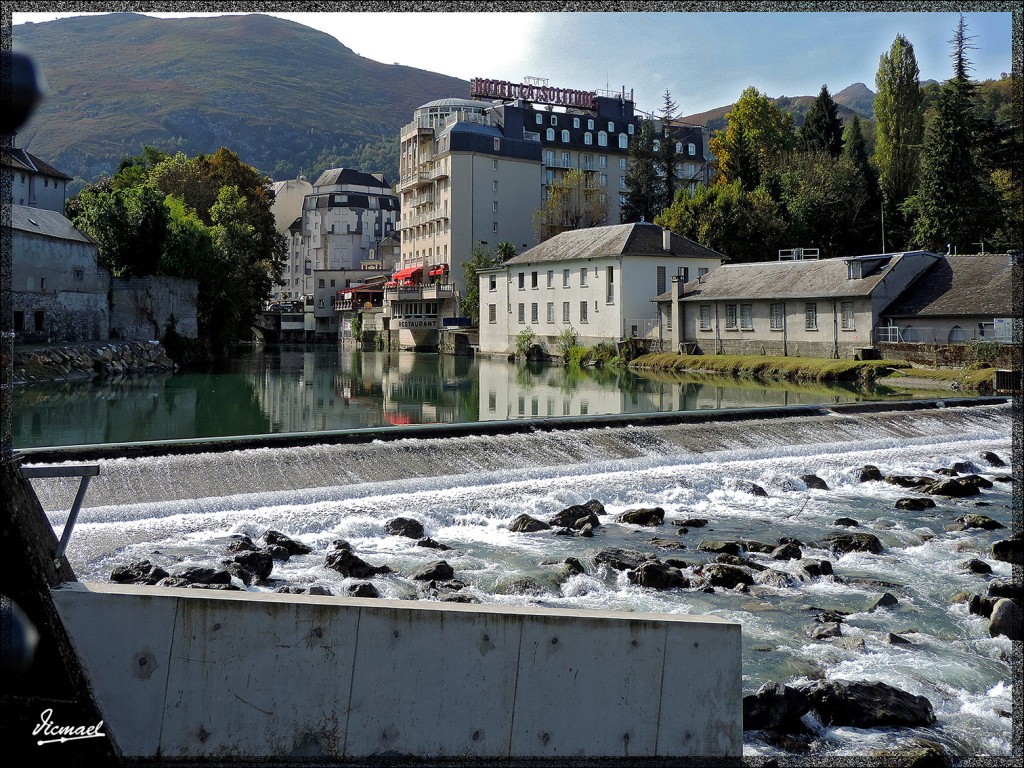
(980, 284)
(810, 279)
(340, 176)
(640, 239)
(40, 221)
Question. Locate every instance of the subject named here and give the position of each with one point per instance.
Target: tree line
(944, 177)
(206, 218)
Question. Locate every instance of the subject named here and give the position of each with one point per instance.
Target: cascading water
(183, 510)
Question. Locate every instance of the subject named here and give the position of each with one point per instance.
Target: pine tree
(956, 203)
(668, 154)
(899, 115)
(855, 150)
(822, 129)
(641, 177)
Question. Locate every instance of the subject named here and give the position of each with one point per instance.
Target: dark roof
(809, 279)
(640, 239)
(42, 221)
(979, 284)
(339, 176)
(23, 160)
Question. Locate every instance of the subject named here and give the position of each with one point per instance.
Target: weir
(194, 674)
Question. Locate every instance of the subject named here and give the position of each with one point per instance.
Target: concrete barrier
(197, 674)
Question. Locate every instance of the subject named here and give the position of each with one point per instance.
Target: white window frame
(705, 317)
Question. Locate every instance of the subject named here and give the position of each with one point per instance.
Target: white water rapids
(181, 510)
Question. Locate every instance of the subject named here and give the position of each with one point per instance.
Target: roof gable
(979, 284)
(638, 239)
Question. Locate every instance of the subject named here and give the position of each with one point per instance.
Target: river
(281, 389)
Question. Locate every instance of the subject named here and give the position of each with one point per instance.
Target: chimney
(666, 239)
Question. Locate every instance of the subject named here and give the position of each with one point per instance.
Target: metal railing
(85, 472)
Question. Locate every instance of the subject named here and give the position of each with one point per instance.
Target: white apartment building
(34, 183)
(601, 282)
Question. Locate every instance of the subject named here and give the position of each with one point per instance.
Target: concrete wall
(142, 308)
(59, 289)
(196, 674)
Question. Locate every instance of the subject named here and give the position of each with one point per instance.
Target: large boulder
(992, 459)
(914, 504)
(438, 570)
(258, 563)
(646, 516)
(842, 543)
(869, 472)
(578, 515)
(769, 577)
(712, 545)
(404, 526)
(1000, 588)
(866, 704)
(787, 552)
(1009, 550)
(278, 539)
(196, 574)
(1005, 619)
(814, 482)
(657, 575)
(142, 572)
(979, 521)
(525, 524)
(743, 562)
(348, 564)
(909, 481)
(814, 569)
(726, 576)
(958, 488)
(620, 559)
(775, 707)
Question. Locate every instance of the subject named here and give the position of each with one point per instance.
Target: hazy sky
(704, 59)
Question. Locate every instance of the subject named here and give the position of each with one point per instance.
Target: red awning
(398, 418)
(405, 274)
(438, 271)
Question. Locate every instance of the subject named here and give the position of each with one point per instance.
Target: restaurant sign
(541, 94)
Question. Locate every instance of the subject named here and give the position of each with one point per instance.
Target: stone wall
(88, 361)
(951, 355)
(144, 308)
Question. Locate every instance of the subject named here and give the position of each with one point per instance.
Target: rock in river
(866, 704)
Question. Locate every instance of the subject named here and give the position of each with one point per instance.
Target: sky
(704, 59)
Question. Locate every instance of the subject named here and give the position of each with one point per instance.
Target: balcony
(434, 292)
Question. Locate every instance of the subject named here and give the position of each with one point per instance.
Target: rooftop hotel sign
(542, 94)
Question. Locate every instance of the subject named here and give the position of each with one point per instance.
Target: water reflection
(262, 390)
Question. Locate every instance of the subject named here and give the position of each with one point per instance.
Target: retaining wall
(186, 674)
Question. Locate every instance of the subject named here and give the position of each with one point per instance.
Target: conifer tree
(822, 129)
(668, 155)
(641, 177)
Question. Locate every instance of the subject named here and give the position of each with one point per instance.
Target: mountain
(795, 105)
(286, 98)
(857, 97)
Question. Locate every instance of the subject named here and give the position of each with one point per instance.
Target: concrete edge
(386, 603)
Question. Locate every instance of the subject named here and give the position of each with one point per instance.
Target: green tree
(574, 202)
(956, 202)
(479, 259)
(899, 117)
(667, 154)
(822, 129)
(855, 151)
(641, 177)
(756, 134)
(505, 251)
(745, 226)
(129, 225)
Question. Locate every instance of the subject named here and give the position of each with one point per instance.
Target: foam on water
(465, 492)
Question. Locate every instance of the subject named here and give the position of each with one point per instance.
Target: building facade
(805, 308)
(34, 183)
(598, 282)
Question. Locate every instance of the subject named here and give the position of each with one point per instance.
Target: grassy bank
(771, 368)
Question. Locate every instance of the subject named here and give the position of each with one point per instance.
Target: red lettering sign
(502, 89)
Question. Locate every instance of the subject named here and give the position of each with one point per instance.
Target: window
(777, 314)
(565, 156)
(575, 122)
(565, 311)
(540, 119)
(662, 281)
(583, 277)
(602, 161)
(549, 134)
(549, 157)
(746, 317)
(623, 163)
(602, 139)
(622, 182)
(320, 283)
(611, 127)
(492, 282)
(492, 398)
(583, 311)
(522, 313)
(551, 311)
(522, 280)
(554, 120)
(79, 274)
(565, 278)
(533, 279)
(565, 137)
(811, 316)
(588, 138)
(551, 278)
(730, 317)
(603, 179)
(629, 129)
(623, 141)
(847, 310)
(494, 206)
(494, 165)
(705, 317)
(534, 316)
(683, 273)
(691, 150)
(494, 226)
(610, 290)
(590, 125)
(701, 271)
(494, 186)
